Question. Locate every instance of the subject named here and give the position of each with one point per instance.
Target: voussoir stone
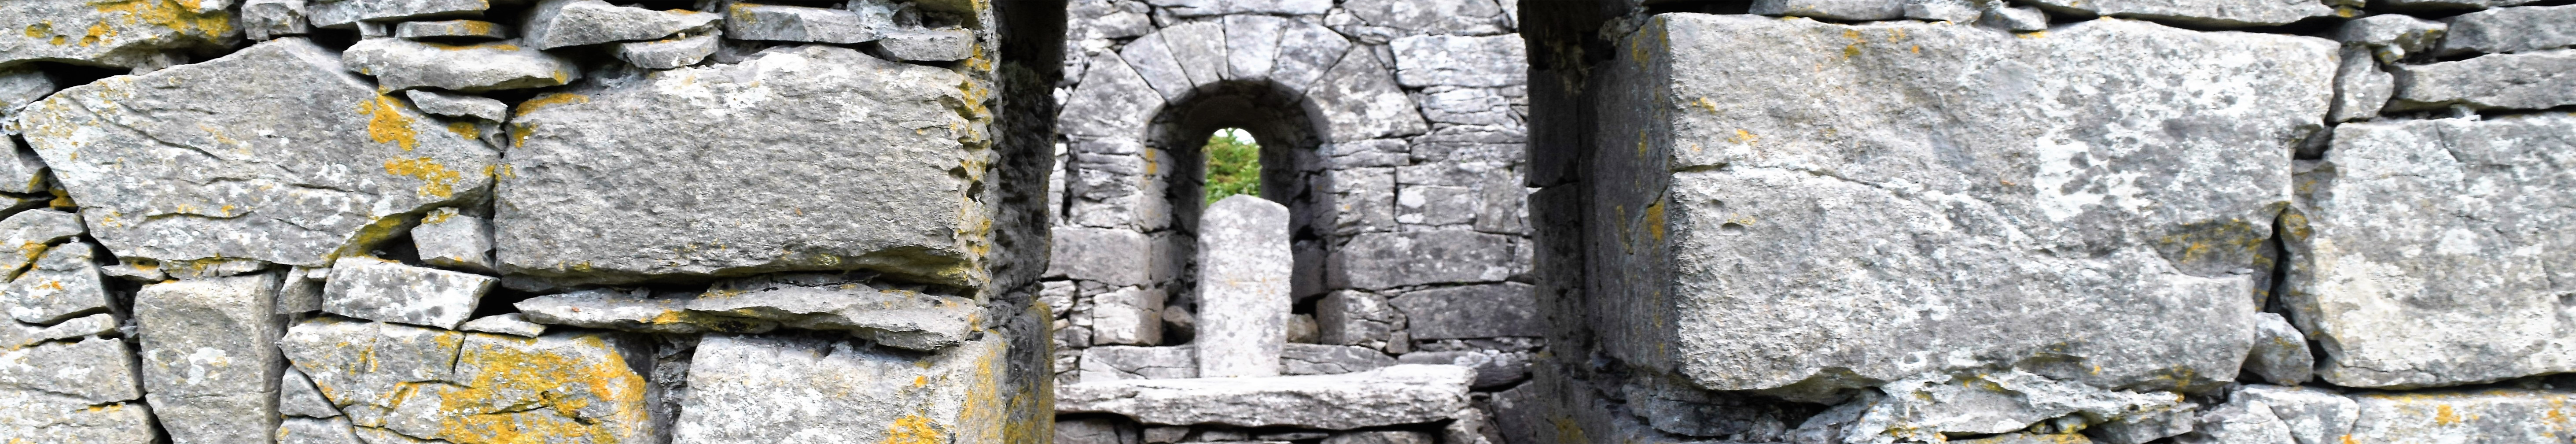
(1399, 394)
(208, 356)
(272, 153)
(400, 64)
(560, 23)
(2531, 80)
(376, 289)
(788, 389)
(124, 33)
(2203, 12)
(2021, 196)
(2427, 252)
(805, 158)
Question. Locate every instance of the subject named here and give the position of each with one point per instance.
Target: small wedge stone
(23, 236)
(448, 239)
(508, 323)
(458, 105)
(296, 396)
(344, 14)
(64, 283)
(451, 30)
(267, 19)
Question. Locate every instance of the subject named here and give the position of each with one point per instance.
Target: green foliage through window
(1233, 164)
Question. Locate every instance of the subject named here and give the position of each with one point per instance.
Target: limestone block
(1363, 199)
(1468, 106)
(559, 23)
(2515, 29)
(2280, 353)
(1921, 407)
(2314, 416)
(2361, 89)
(14, 335)
(1110, 256)
(400, 64)
(316, 431)
(1954, 11)
(1244, 263)
(2239, 421)
(1252, 45)
(363, 367)
(208, 356)
(121, 34)
(668, 53)
(928, 44)
(1318, 49)
(24, 236)
(1094, 20)
(513, 324)
(784, 389)
(2531, 80)
(266, 19)
(802, 24)
(1152, 58)
(2481, 416)
(1127, 315)
(38, 416)
(1475, 311)
(891, 317)
(64, 283)
(1381, 437)
(448, 239)
(821, 130)
(2424, 251)
(2203, 12)
(346, 14)
(458, 105)
(1359, 99)
(1318, 359)
(2147, 427)
(296, 396)
(1387, 260)
(1400, 394)
(1116, 362)
(375, 289)
(1440, 60)
(453, 30)
(301, 290)
(1832, 9)
(1096, 431)
(1113, 101)
(2175, 193)
(1494, 369)
(2392, 36)
(564, 387)
(94, 370)
(1356, 155)
(1435, 17)
(1196, 8)
(2015, 18)
(346, 164)
(1199, 48)
(1349, 317)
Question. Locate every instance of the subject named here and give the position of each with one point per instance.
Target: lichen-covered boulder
(119, 33)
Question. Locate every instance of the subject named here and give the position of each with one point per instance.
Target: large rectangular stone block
(1812, 206)
(787, 389)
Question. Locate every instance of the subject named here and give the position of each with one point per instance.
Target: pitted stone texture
(1955, 208)
(880, 138)
(347, 14)
(1244, 264)
(1116, 362)
(271, 153)
(2361, 89)
(1400, 394)
(1385, 260)
(783, 389)
(1921, 408)
(1475, 311)
(560, 23)
(1439, 60)
(928, 45)
(24, 236)
(2505, 415)
(2531, 80)
(1359, 99)
(1096, 431)
(1415, 17)
(897, 318)
(2392, 36)
(209, 358)
(452, 30)
(1113, 101)
(668, 53)
(64, 283)
(802, 24)
(578, 387)
(2203, 12)
(2515, 29)
(1317, 359)
(1832, 9)
(36, 416)
(2280, 353)
(94, 370)
(507, 323)
(316, 431)
(458, 105)
(124, 34)
(376, 289)
(2314, 416)
(2429, 253)
(446, 238)
(14, 335)
(1318, 49)
(1196, 8)
(400, 64)
(296, 396)
(266, 19)
(1348, 317)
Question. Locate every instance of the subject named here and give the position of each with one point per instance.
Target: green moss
(1233, 164)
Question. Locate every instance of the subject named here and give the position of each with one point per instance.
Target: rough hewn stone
(2015, 18)
(2239, 421)
(559, 23)
(14, 335)
(927, 44)
(266, 19)
(1832, 9)
(1400, 394)
(301, 291)
(453, 30)
(1195, 8)
(94, 370)
(2515, 29)
(347, 14)
(1356, 318)
(363, 366)
(2280, 353)
(1318, 359)
(125, 34)
(507, 323)
(24, 236)
(1127, 315)
(316, 431)
(2426, 252)
(376, 289)
(578, 385)
(2531, 80)
(64, 283)
(400, 64)
(1439, 60)
(446, 238)
(802, 24)
(1921, 408)
(781, 389)
(172, 165)
(1114, 101)
(1438, 17)
(2392, 36)
(1359, 99)
(2361, 89)
(668, 53)
(2314, 416)
(1096, 431)
(1116, 362)
(1381, 437)
(1244, 264)
(209, 358)
(1954, 11)
(1475, 311)
(2203, 12)
(458, 105)
(1110, 256)
(1385, 260)
(1493, 368)
(296, 396)
(37, 416)
(2481, 416)
(1298, 66)
(879, 137)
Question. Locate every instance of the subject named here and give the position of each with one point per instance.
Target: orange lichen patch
(913, 429)
(462, 129)
(2442, 415)
(436, 180)
(1743, 137)
(500, 170)
(62, 200)
(1852, 49)
(548, 100)
(1655, 220)
(2032, 34)
(169, 14)
(387, 124)
(582, 383)
(495, 45)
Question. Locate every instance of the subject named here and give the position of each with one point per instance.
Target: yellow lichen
(462, 129)
(436, 180)
(169, 14)
(548, 100)
(913, 429)
(387, 124)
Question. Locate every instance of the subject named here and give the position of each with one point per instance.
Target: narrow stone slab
(786, 389)
(927, 44)
(400, 64)
(1441, 60)
(446, 238)
(668, 53)
(1244, 266)
(458, 105)
(25, 236)
(560, 23)
(2506, 415)
(451, 30)
(376, 289)
(316, 431)
(1418, 17)
(267, 19)
(1388, 260)
(64, 283)
(1832, 9)
(208, 356)
(133, 151)
(1116, 362)
(898, 318)
(2532, 80)
(96, 370)
(2392, 36)
(2515, 29)
(513, 324)
(1401, 394)
(802, 24)
(2203, 12)
(347, 14)
(1318, 359)
(2425, 253)
(1196, 8)
(15, 335)
(36, 416)
(122, 34)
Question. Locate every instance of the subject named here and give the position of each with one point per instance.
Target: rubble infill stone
(1116, 362)
(785, 389)
(2532, 80)
(928, 45)
(24, 236)
(400, 64)
(668, 53)
(802, 24)
(897, 318)
(139, 153)
(37, 416)
(114, 33)
(513, 324)
(458, 105)
(2392, 36)
(565, 384)
(560, 23)
(451, 30)
(1400, 394)
(266, 19)
(445, 238)
(1474, 311)
(376, 289)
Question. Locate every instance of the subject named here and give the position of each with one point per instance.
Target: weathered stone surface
(266, 19)
(1110, 256)
(1955, 11)
(928, 44)
(668, 53)
(1381, 437)
(20, 85)
(347, 14)
(1116, 362)
(1493, 368)
(2392, 36)
(1472, 106)
(362, 367)
(1152, 58)
(1437, 17)
(1359, 99)
(2428, 251)
(2313, 416)
(1252, 45)
(2146, 427)
(1356, 318)
(559, 23)
(1244, 264)
(899, 318)
(2029, 438)
(1963, 215)
(879, 137)
(2239, 421)
(781, 389)
(1195, 8)
(1298, 66)
(1400, 394)
(2361, 89)
(14, 335)
(2515, 29)
(458, 105)
(37, 416)
(316, 431)
(1832, 9)
(1096, 431)
(2531, 80)
(1921, 408)
(802, 24)
(2203, 12)
(212, 268)
(573, 386)
(1127, 315)
(1113, 101)
(301, 291)
(2015, 18)
(376, 289)
(122, 34)
(1475, 311)
(2280, 352)
(1318, 359)
(448, 239)
(1385, 260)
(1097, 20)
(296, 396)
(24, 236)
(171, 165)
(400, 64)
(94, 370)
(1440, 60)
(507, 323)
(454, 30)
(2482, 416)
(208, 356)
(64, 283)
(1199, 48)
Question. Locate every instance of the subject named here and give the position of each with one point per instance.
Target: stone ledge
(1401, 394)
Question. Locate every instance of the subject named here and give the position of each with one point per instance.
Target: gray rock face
(1096, 431)
(898, 318)
(2515, 29)
(93, 371)
(1832, 9)
(1318, 359)
(174, 165)
(668, 53)
(2361, 89)
(64, 283)
(1443, 17)
(2204, 12)
(301, 292)
(2175, 192)
(2486, 415)
(1356, 318)
(374, 289)
(2392, 36)
(458, 105)
(15, 335)
(1111, 256)
(448, 239)
(2015, 18)
(363, 366)
(37, 416)
(928, 45)
(802, 24)
(1381, 437)
(2532, 80)
(296, 396)
(1386, 260)
(2453, 290)
(1244, 264)
(2239, 421)
(559, 23)
(208, 356)
(400, 64)
(316, 431)
(780, 389)
(896, 207)
(124, 35)
(1195, 8)
(1493, 368)
(2313, 416)
(1359, 100)
(451, 386)
(1475, 311)
(1127, 315)
(266, 19)
(2280, 353)
(1440, 60)
(347, 14)
(1401, 394)
(1922, 407)
(453, 30)
(1116, 362)
(24, 236)
(1955, 11)
(507, 323)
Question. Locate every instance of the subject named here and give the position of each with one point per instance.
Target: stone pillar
(1244, 263)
